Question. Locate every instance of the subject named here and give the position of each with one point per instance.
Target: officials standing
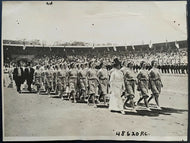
(29, 73)
(18, 76)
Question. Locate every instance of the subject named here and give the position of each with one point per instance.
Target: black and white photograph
(94, 70)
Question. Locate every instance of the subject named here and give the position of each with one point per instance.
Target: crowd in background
(171, 63)
(91, 77)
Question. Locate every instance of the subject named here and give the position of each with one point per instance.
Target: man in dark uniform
(162, 68)
(18, 76)
(159, 67)
(165, 68)
(183, 68)
(29, 73)
(175, 68)
(187, 68)
(178, 69)
(172, 68)
(168, 68)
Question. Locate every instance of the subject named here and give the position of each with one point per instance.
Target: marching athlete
(61, 80)
(143, 82)
(37, 78)
(92, 83)
(72, 81)
(48, 80)
(155, 83)
(55, 79)
(82, 82)
(130, 81)
(103, 81)
(43, 86)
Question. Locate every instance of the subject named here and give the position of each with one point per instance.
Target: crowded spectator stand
(171, 56)
(87, 73)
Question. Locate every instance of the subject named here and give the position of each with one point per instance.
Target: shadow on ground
(141, 110)
(155, 112)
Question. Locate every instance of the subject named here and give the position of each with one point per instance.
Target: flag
(108, 49)
(150, 45)
(177, 44)
(93, 46)
(114, 48)
(24, 47)
(133, 47)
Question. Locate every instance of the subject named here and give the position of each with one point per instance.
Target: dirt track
(37, 115)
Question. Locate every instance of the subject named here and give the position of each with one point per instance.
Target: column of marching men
(114, 86)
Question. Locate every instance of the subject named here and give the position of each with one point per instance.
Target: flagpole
(151, 46)
(179, 57)
(177, 46)
(93, 32)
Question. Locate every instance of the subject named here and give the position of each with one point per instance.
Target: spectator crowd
(110, 78)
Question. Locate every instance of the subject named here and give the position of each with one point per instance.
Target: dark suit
(29, 73)
(18, 78)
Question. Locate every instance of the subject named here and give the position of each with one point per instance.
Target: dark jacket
(16, 77)
(29, 74)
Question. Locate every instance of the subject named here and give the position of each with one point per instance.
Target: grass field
(32, 115)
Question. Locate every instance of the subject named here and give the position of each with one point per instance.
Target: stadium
(77, 80)
(172, 99)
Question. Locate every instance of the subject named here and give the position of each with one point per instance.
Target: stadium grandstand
(16, 49)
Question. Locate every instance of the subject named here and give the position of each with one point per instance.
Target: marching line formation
(115, 87)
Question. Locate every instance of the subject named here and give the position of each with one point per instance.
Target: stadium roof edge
(21, 45)
(103, 46)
